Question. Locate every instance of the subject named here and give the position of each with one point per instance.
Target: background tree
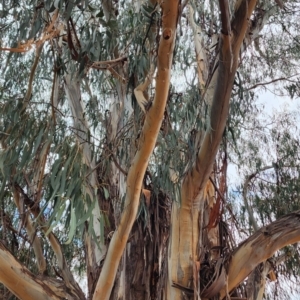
(114, 173)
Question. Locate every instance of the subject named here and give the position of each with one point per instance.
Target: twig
(272, 81)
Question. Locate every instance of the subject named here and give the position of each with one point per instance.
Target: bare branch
(54, 243)
(106, 64)
(22, 283)
(266, 242)
(31, 232)
(272, 81)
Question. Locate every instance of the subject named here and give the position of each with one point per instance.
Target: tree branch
(22, 283)
(225, 18)
(272, 81)
(228, 63)
(147, 142)
(54, 243)
(31, 231)
(260, 246)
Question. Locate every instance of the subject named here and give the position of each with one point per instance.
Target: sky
(271, 103)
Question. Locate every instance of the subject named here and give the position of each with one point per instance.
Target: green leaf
(72, 229)
(55, 167)
(35, 28)
(71, 188)
(58, 216)
(106, 193)
(63, 179)
(38, 140)
(86, 216)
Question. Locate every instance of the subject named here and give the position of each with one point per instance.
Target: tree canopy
(120, 125)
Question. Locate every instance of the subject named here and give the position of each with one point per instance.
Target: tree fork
(185, 218)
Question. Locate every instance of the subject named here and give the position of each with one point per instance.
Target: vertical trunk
(184, 248)
(94, 252)
(146, 145)
(256, 282)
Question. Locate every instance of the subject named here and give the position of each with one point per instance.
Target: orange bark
(146, 145)
(187, 217)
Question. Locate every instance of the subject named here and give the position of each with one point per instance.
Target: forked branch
(230, 46)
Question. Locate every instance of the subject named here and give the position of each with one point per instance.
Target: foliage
(111, 48)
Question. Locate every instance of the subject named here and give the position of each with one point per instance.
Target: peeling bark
(22, 283)
(261, 246)
(185, 229)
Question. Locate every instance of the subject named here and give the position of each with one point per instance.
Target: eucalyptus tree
(118, 121)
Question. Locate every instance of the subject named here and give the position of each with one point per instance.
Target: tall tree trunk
(185, 251)
(147, 142)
